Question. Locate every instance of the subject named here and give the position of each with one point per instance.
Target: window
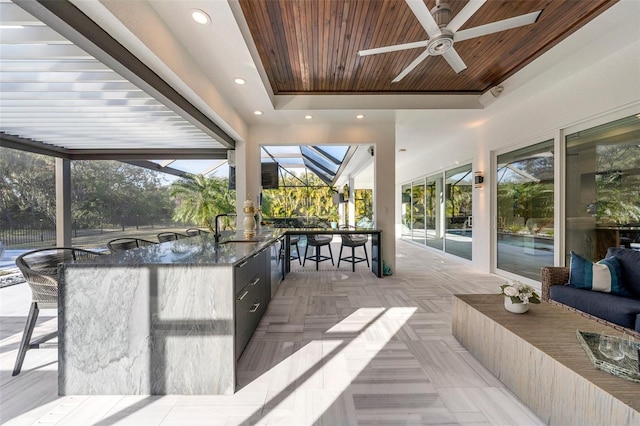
(525, 229)
(603, 188)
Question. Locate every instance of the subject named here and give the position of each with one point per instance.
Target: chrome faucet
(217, 235)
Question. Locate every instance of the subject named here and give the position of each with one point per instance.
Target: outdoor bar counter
(171, 318)
(376, 243)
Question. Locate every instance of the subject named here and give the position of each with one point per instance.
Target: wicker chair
(123, 244)
(194, 232)
(559, 275)
(170, 236)
(40, 270)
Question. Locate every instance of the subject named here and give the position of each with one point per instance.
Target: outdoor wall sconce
(478, 180)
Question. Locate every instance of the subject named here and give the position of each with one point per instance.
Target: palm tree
(201, 199)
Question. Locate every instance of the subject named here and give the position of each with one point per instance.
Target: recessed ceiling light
(200, 17)
(359, 116)
(308, 117)
(239, 81)
(257, 112)
(11, 27)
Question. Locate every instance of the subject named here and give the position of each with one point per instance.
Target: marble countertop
(233, 248)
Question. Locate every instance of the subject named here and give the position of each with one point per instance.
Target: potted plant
(333, 217)
(518, 296)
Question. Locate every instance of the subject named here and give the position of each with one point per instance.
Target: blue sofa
(621, 312)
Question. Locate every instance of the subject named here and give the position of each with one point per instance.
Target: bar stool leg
(317, 257)
(366, 256)
(305, 254)
(26, 337)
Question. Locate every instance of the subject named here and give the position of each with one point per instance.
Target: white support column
(384, 199)
(352, 201)
(63, 202)
(248, 175)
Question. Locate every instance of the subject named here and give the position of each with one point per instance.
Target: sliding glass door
(406, 211)
(525, 231)
(459, 220)
(418, 211)
(434, 211)
(603, 187)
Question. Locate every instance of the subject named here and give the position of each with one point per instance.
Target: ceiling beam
(157, 167)
(68, 20)
(29, 145)
(146, 154)
(37, 147)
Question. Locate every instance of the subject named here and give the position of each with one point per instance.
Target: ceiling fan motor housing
(441, 14)
(440, 44)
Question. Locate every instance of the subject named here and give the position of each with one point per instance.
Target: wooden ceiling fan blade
(411, 66)
(424, 17)
(393, 48)
(494, 27)
(456, 62)
(464, 15)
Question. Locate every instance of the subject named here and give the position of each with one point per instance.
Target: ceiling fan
(443, 32)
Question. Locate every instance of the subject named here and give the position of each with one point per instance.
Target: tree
(101, 192)
(115, 192)
(200, 199)
(27, 187)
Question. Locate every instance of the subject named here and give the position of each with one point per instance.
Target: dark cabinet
(252, 287)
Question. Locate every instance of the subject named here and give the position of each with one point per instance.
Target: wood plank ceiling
(310, 46)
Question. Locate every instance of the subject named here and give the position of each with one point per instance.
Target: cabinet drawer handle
(240, 265)
(255, 281)
(243, 295)
(255, 307)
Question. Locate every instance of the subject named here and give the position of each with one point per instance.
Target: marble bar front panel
(149, 329)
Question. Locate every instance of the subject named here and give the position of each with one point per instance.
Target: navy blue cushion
(616, 309)
(630, 264)
(638, 323)
(604, 276)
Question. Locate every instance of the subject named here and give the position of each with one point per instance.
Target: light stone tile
(333, 348)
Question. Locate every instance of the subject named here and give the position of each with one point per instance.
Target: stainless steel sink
(240, 241)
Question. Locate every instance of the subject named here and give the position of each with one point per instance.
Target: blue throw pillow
(604, 276)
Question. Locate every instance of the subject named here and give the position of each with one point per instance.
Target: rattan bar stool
(194, 232)
(318, 241)
(124, 244)
(170, 236)
(40, 270)
(293, 242)
(353, 241)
